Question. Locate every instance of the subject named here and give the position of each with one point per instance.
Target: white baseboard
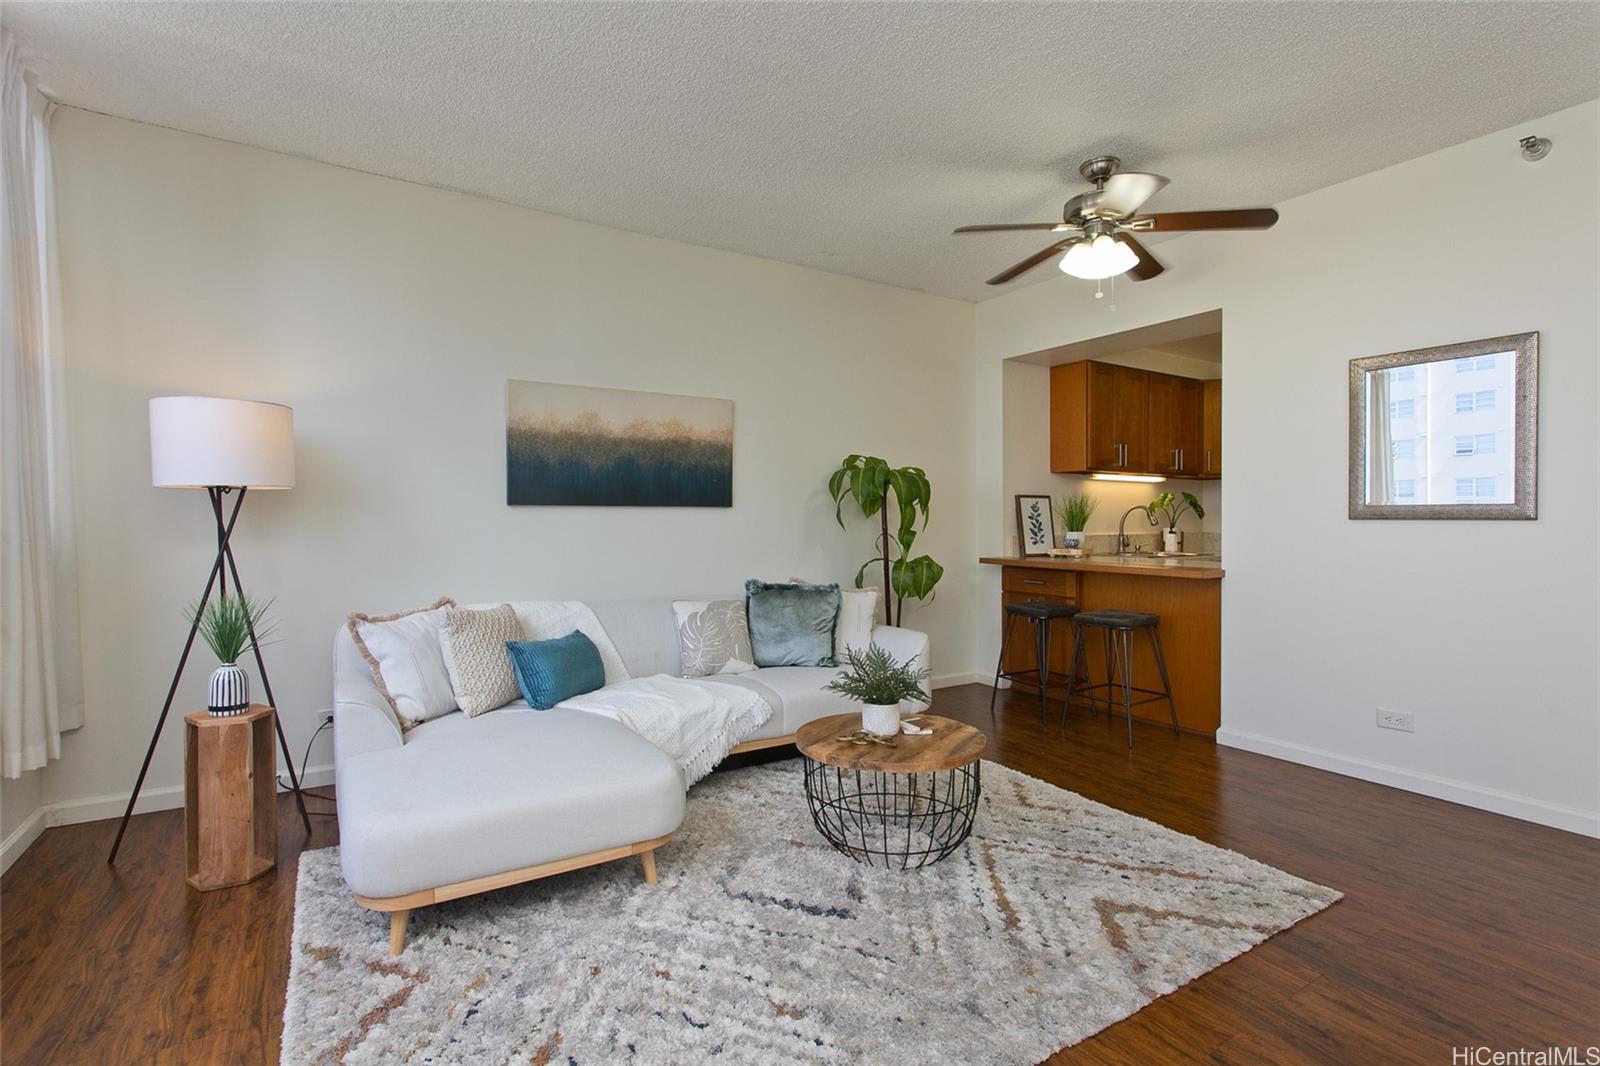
(19, 839)
(972, 677)
(1555, 815)
(164, 798)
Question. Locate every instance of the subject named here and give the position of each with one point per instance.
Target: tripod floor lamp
(226, 447)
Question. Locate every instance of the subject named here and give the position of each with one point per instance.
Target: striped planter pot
(229, 690)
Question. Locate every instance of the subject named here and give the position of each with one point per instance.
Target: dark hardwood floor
(1458, 928)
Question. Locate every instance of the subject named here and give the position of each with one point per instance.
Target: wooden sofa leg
(397, 931)
(649, 860)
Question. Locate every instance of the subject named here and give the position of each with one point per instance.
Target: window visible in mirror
(1441, 458)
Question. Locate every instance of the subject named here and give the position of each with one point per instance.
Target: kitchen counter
(1202, 568)
(1186, 593)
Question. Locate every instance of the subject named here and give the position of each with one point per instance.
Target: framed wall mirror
(1446, 432)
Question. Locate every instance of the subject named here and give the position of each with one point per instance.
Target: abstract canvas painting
(579, 446)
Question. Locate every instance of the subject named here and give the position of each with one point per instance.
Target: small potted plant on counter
(873, 679)
(1171, 508)
(230, 625)
(1074, 512)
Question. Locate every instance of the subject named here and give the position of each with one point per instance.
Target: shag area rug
(1058, 917)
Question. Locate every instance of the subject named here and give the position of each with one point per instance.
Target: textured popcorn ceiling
(849, 137)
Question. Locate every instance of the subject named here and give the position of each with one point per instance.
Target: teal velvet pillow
(791, 625)
(549, 671)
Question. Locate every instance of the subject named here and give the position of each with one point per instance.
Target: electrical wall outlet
(1392, 719)
(325, 715)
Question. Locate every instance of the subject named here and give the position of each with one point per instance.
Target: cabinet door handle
(1208, 460)
(1031, 581)
(1177, 458)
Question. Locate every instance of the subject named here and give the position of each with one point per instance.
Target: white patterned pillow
(713, 637)
(474, 644)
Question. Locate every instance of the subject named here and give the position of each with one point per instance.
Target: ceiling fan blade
(1148, 265)
(1027, 264)
(1004, 227)
(1239, 218)
(1126, 193)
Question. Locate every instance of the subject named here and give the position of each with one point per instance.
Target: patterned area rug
(761, 944)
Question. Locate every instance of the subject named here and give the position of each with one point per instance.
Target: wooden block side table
(230, 788)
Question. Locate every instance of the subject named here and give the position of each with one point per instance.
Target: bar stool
(1039, 615)
(1117, 628)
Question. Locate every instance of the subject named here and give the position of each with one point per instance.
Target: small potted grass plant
(875, 680)
(228, 624)
(1171, 508)
(1074, 512)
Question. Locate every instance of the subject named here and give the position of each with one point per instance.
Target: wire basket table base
(894, 820)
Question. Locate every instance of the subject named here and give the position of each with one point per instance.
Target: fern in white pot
(880, 684)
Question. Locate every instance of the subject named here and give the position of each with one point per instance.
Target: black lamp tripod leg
(261, 668)
(172, 690)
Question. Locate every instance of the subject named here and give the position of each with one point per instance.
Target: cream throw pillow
(858, 610)
(404, 652)
(713, 637)
(474, 646)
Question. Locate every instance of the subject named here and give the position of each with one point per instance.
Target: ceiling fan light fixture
(1103, 257)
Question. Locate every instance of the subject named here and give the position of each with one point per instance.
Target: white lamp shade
(200, 441)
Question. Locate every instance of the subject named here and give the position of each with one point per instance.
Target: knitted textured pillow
(474, 645)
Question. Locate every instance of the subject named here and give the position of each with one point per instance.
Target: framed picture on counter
(1036, 525)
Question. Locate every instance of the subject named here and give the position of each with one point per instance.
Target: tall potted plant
(875, 680)
(1171, 508)
(870, 482)
(1074, 512)
(229, 625)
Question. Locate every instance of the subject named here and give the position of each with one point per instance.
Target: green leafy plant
(873, 676)
(1075, 510)
(870, 482)
(227, 623)
(1172, 507)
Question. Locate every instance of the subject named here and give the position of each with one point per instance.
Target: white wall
(390, 316)
(1486, 631)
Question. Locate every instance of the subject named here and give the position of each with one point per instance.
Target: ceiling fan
(1097, 228)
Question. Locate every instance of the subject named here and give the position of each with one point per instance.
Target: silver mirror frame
(1526, 406)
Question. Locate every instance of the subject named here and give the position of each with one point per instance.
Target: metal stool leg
(1126, 636)
(1161, 665)
(1077, 663)
(1005, 641)
(1042, 640)
(1111, 673)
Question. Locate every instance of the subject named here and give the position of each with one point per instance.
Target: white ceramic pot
(1171, 541)
(1073, 538)
(881, 719)
(228, 692)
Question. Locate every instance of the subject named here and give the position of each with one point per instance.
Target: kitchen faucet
(1122, 537)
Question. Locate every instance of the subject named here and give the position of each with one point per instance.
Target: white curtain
(1380, 441)
(41, 683)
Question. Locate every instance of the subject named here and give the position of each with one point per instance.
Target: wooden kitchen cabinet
(1099, 418)
(1211, 428)
(1117, 419)
(1191, 427)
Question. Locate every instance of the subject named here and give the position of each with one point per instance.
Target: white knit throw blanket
(695, 722)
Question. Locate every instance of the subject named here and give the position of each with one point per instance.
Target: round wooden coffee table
(902, 804)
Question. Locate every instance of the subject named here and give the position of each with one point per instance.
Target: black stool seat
(1113, 619)
(1043, 610)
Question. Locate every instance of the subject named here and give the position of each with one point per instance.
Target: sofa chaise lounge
(456, 806)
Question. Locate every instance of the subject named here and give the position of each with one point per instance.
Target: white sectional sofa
(456, 806)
